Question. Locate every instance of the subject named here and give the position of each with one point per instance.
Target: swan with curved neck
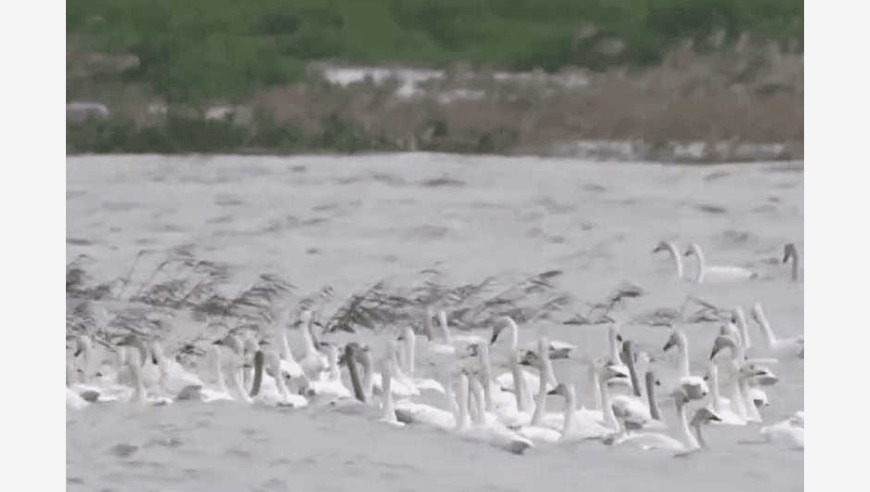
(314, 364)
(671, 248)
(721, 406)
(490, 431)
(716, 273)
(738, 318)
(688, 442)
(788, 348)
(290, 368)
(790, 252)
(693, 387)
(331, 385)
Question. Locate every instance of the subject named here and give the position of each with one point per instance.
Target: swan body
(717, 273)
(789, 432)
(330, 386)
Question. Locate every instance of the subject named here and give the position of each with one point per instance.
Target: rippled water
(347, 222)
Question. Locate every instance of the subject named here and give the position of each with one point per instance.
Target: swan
(788, 433)
(671, 248)
(236, 362)
(717, 273)
(489, 431)
(744, 375)
(721, 406)
(408, 356)
(790, 252)
(576, 425)
(330, 386)
(314, 363)
(557, 349)
(410, 412)
(782, 348)
(388, 409)
(738, 318)
(694, 387)
(173, 377)
(140, 396)
(272, 390)
(654, 440)
(290, 368)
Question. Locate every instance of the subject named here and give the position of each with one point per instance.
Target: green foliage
(191, 50)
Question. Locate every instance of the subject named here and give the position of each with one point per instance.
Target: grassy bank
(193, 49)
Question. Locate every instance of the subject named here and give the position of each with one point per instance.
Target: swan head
(721, 343)
(306, 316)
(614, 335)
(692, 249)
(662, 246)
(676, 339)
(82, 344)
(231, 342)
(789, 251)
(705, 415)
(500, 325)
(757, 312)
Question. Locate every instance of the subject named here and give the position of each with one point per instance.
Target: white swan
(716, 273)
(654, 440)
(314, 363)
(781, 348)
(272, 389)
(388, 408)
(671, 248)
(407, 354)
(790, 252)
(693, 387)
(290, 368)
(140, 396)
(721, 405)
(490, 431)
(575, 425)
(330, 386)
(788, 433)
(738, 318)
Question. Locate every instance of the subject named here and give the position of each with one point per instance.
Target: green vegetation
(192, 50)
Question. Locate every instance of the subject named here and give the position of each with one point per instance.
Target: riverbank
(713, 93)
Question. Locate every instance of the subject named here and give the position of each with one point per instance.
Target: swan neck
(519, 387)
(410, 347)
(606, 407)
(595, 385)
(309, 339)
(688, 437)
(700, 435)
(651, 396)
(684, 355)
(795, 265)
(486, 375)
(678, 259)
(445, 330)
(714, 386)
(632, 369)
(765, 328)
(462, 419)
(702, 264)
(570, 409)
(541, 398)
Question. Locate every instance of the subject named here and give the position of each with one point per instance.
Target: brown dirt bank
(741, 106)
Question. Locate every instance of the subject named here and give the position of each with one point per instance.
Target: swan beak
(216, 342)
(77, 353)
(668, 345)
(154, 360)
(658, 248)
(688, 253)
(495, 333)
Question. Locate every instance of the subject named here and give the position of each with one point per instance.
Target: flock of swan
(482, 388)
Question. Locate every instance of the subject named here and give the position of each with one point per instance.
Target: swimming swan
(694, 387)
(782, 348)
(671, 248)
(790, 252)
(716, 273)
